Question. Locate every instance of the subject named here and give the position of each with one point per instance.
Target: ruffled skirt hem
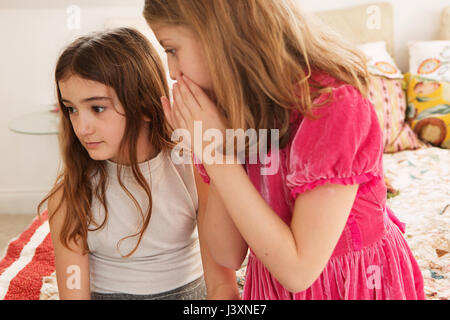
(384, 270)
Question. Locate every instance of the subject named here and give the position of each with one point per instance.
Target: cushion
(430, 59)
(379, 60)
(444, 33)
(388, 97)
(429, 109)
(389, 100)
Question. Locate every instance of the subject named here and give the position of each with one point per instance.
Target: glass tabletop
(36, 123)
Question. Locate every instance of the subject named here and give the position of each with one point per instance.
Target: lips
(92, 145)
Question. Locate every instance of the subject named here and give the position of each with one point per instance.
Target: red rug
(28, 259)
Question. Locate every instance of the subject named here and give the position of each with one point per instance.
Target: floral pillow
(430, 59)
(379, 61)
(428, 110)
(388, 97)
(389, 100)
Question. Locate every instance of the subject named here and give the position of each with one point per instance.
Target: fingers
(198, 94)
(190, 103)
(182, 109)
(188, 97)
(167, 110)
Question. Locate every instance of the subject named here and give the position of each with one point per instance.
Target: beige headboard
(359, 24)
(444, 33)
(364, 23)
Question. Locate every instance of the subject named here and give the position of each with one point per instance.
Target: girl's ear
(146, 119)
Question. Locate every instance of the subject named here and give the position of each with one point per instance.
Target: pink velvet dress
(371, 260)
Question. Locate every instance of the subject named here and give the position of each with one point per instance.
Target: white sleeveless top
(169, 253)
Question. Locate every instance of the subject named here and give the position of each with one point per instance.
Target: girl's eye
(71, 110)
(170, 51)
(98, 109)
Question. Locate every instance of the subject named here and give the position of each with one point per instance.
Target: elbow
(227, 258)
(233, 262)
(296, 286)
(296, 283)
(234, 265)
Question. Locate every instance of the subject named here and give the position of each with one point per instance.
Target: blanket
(421, 178)
(28, 260)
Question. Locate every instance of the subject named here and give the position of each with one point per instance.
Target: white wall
(32, 35)
(31, 40)
(413, 20)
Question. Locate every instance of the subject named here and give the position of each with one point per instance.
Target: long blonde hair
(260, 54)
(124, 60)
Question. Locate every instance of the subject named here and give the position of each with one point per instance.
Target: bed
(421, 177)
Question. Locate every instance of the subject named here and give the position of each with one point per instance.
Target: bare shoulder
(55, 204)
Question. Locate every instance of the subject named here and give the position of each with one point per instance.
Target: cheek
(200, 75)
(115, 130)
(75, 127)
(195, 68)
(110, 132)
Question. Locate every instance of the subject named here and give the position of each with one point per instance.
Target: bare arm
(295, 254)
(72, 267)
(220, 281)
(227, 245)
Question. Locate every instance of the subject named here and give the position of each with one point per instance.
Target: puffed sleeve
(201, 169)
(342, 146)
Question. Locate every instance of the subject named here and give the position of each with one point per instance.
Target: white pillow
(430, 59)
(380, 61)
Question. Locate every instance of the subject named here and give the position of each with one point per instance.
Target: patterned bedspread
(422, 178)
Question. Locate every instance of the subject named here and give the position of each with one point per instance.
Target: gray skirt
(195, 290)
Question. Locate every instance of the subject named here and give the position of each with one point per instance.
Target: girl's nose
(174, 71)
(85, 125)
(174, 75)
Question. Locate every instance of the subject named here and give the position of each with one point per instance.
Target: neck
(145, 150)
(149, 154)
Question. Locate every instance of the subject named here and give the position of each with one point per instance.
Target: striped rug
(28, 259)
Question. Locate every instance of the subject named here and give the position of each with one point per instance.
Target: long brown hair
(124, 60)
(260, 54)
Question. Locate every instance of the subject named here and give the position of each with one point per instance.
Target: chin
(98, 157)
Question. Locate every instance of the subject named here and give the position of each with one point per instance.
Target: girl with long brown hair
(123, 216)
(318, 227)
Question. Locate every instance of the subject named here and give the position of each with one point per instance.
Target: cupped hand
(192, 109)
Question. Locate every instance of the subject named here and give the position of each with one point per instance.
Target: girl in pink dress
(313, 209)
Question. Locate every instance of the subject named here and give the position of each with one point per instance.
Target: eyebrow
(89, 99)
(162, 40)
